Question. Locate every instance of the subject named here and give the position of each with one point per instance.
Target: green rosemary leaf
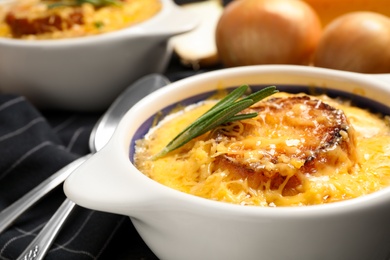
(229, 99)
(99, 24)
(221, 117)
(92, 2)
(113, 2)
(241, 117)
(61, 4)
(259, 95)
(96, 3)
(200, 127)
(224, 111)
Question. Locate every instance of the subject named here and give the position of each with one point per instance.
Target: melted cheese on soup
(39, 19)
(273, 165)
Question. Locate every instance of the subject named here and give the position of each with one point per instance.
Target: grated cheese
(191, 168)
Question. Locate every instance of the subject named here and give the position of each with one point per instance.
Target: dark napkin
(35, 144)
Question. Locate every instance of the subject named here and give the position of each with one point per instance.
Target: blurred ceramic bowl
(177, 225)
(87, 73)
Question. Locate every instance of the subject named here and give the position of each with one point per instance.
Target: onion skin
(328, 10)
(251, 32)
(357, 42)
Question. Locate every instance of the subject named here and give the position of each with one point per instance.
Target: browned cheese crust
(45, 24)
(320, 134)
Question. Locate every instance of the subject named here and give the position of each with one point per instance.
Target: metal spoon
(108, 124)
(100, 135)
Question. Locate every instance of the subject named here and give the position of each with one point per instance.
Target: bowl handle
(109, 182)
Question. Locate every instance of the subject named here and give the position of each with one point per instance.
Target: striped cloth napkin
(33, 145)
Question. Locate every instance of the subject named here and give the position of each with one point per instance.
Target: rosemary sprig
(96, 3)
(221, 113)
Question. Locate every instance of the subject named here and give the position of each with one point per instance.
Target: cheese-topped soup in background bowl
(76, 55)
(302, 174)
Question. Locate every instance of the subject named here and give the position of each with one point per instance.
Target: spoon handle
(40, 245)
(38, 248)
(12, 212)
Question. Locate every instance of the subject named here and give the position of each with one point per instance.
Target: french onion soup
(59, 19)
(295, 150)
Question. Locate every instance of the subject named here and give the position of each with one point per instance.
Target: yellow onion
(357, 41)
(253, 32)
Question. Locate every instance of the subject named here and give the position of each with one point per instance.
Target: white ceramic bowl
(176, 225)
(87, 73)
